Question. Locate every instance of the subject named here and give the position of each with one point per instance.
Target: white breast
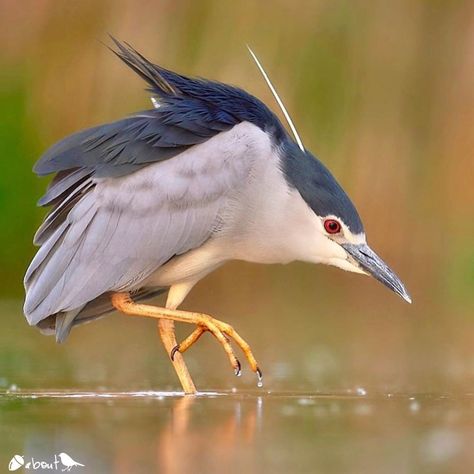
(267, 221)
(262, 220)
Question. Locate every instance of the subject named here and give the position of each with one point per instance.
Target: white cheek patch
(347, 237)
(355, 239)
(331, 251)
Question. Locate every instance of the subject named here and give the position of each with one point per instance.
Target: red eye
(332, 226)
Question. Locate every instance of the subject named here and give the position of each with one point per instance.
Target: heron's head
(340, 236)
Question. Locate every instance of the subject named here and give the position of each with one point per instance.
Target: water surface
(241, 431)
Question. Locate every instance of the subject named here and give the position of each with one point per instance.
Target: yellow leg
(188, 342)
(166, 330)
(219, 329)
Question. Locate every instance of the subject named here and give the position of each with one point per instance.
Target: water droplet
(414, 406)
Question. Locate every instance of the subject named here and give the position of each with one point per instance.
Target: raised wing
(189, 111)
(129, 195)
(122, 229)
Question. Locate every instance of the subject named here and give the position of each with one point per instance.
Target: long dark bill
(371, 263)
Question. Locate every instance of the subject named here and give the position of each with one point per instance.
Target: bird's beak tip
(373, 265)
(399, 289)
(407, 298)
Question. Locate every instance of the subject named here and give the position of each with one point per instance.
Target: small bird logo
(16, 462)
(68, 462)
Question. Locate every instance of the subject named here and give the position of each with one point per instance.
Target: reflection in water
(135, 432)
(165, 431)
(183, 446)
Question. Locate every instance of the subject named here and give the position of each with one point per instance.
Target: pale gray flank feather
(125, 228)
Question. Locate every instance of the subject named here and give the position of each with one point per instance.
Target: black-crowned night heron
(156, 201)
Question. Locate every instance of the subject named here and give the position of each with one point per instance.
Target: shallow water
(240, 431)
(374, 391)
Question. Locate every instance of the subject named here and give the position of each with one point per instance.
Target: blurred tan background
(381, 91)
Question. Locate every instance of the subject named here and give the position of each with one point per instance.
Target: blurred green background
(382, 92)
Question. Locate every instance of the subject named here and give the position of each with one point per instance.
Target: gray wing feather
(62, 184)
(124, 228)
(121, 147)
(59, 213)
(122, 207)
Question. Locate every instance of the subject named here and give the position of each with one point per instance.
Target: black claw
(238, 369)
(173, 351)
(259, 377)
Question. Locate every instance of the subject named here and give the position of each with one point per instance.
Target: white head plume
(277, 98)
